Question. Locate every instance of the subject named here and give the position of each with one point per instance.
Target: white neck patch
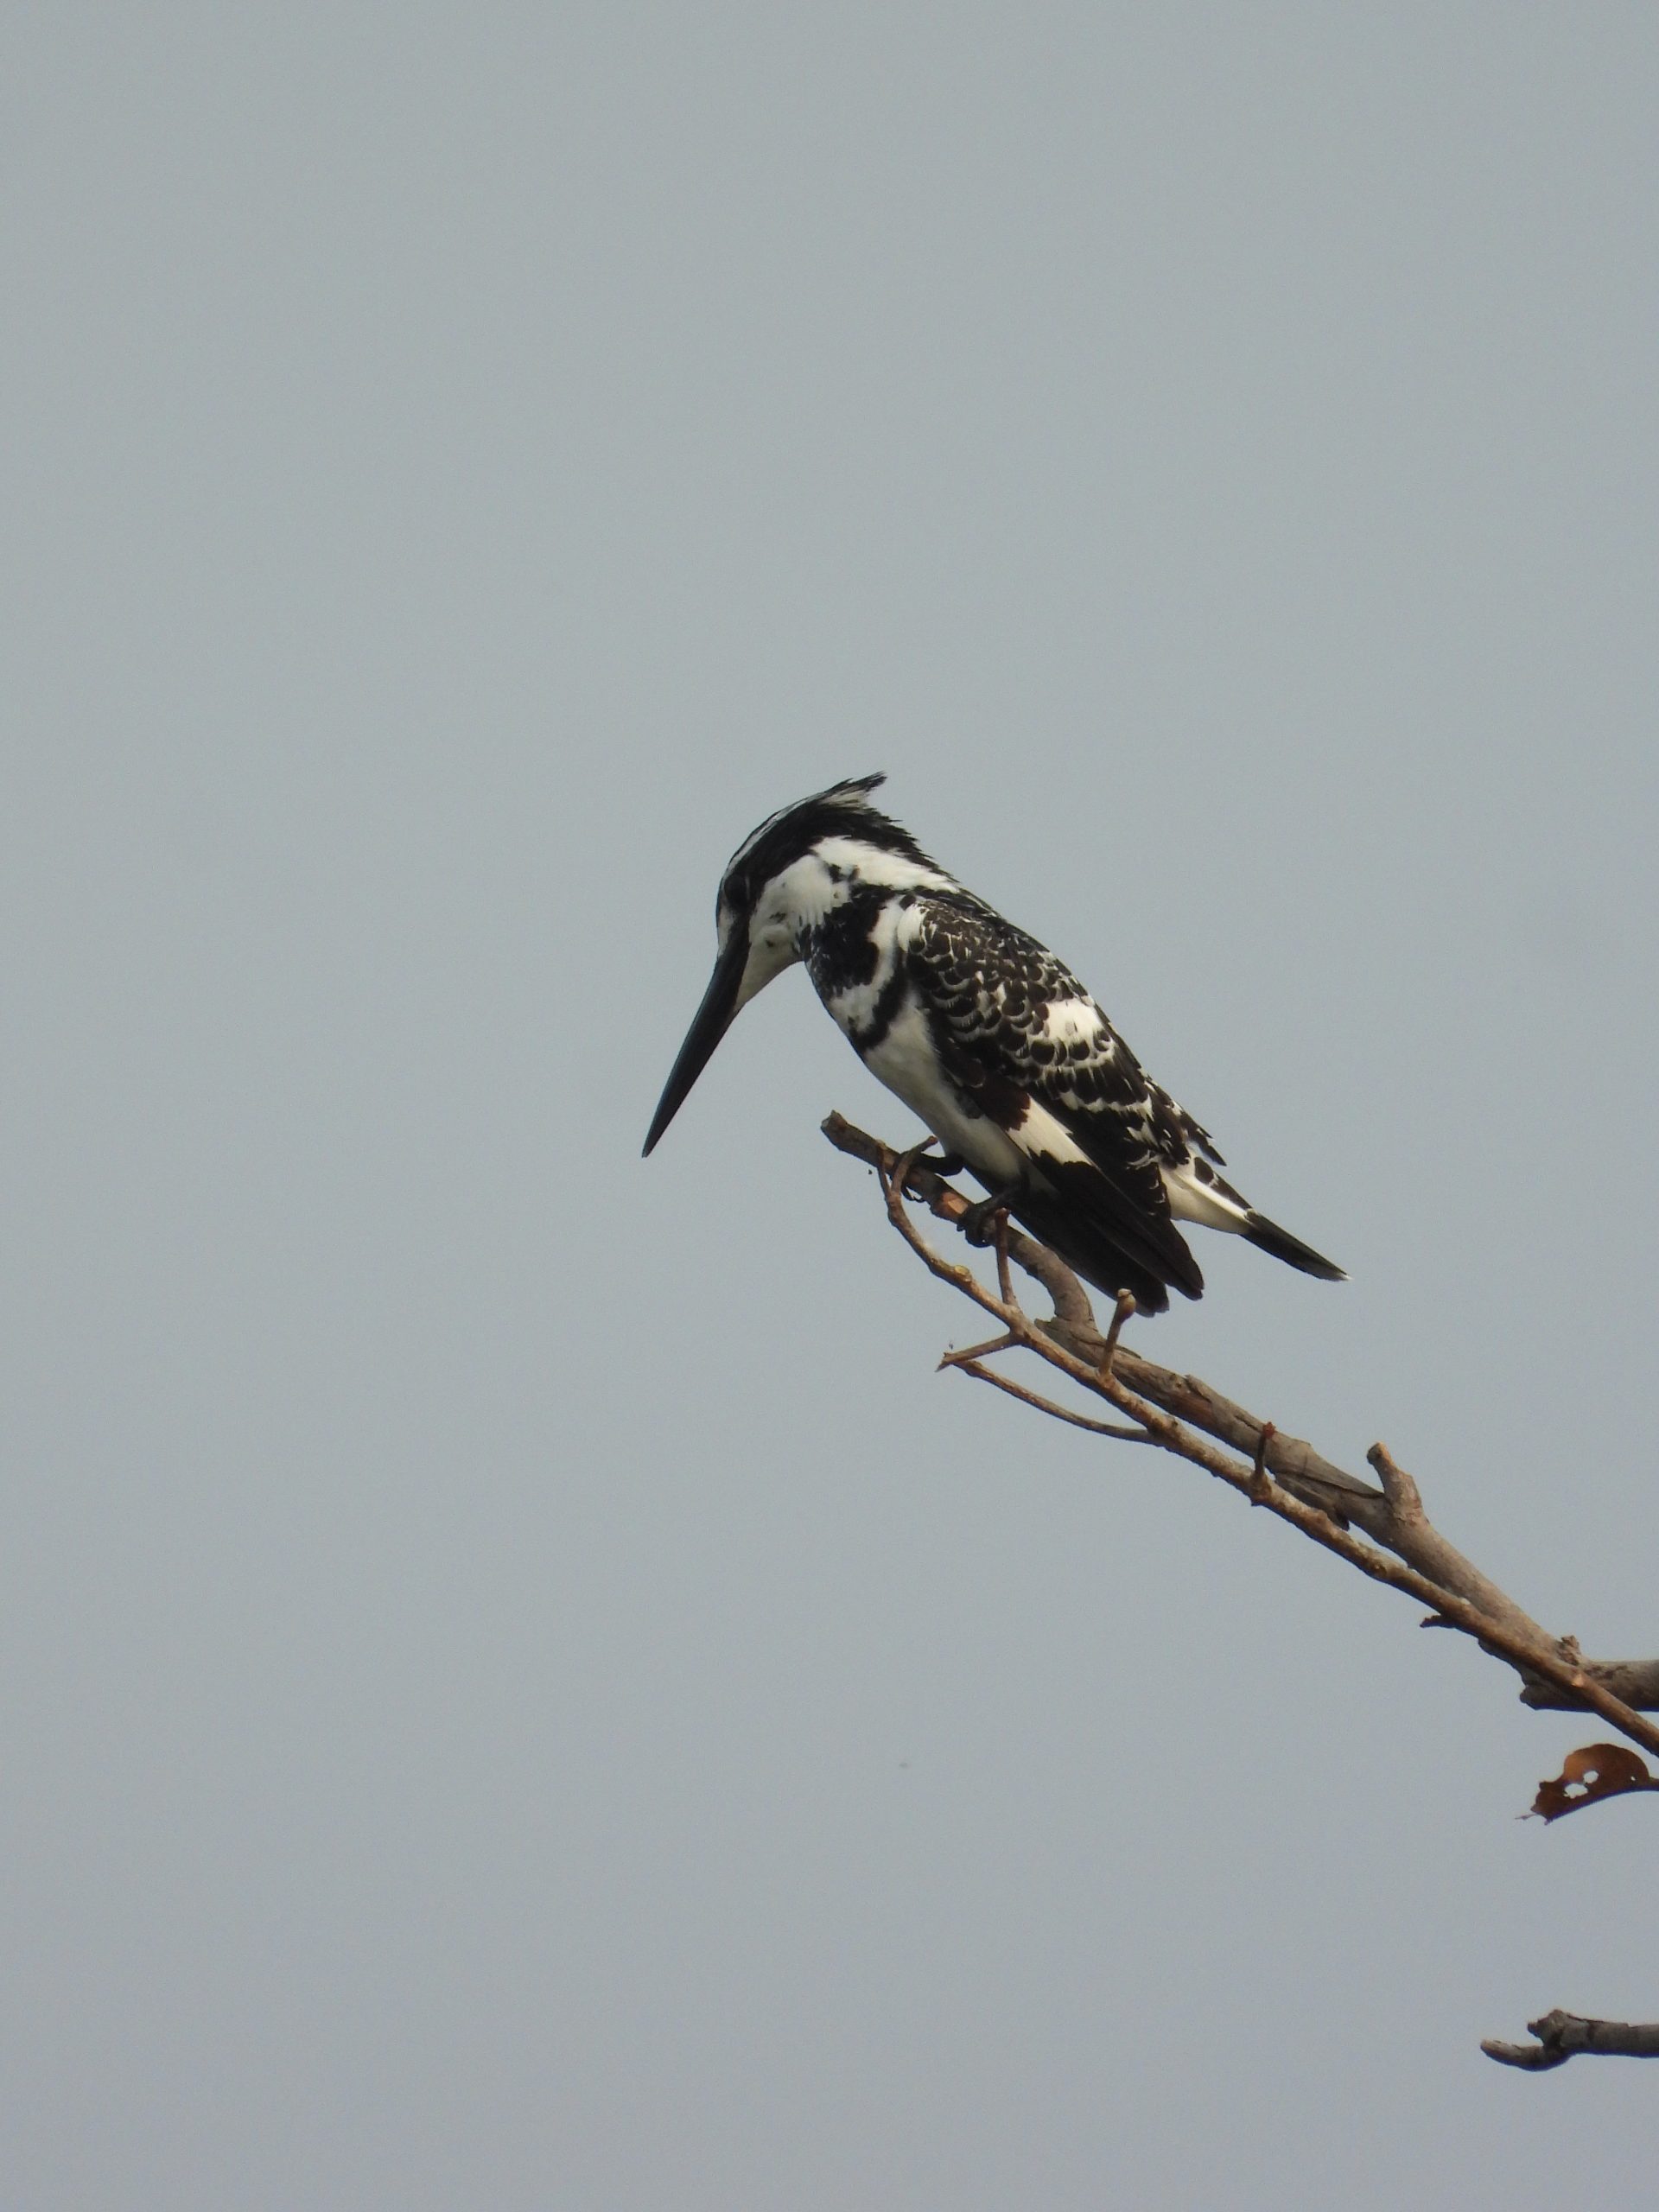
(875, 864)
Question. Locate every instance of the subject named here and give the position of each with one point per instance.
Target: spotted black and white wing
(1028, 1045)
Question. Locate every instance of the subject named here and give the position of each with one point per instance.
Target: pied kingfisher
(981, 1031)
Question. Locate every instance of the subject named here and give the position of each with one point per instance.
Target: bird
(982, 1033)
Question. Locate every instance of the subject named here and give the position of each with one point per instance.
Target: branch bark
(1323, 1501)
(1382, 1529)
(1562, 2036)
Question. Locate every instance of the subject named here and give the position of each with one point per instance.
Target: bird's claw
(978, 1225)
(944, 1164)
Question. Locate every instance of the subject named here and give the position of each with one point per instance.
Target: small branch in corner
(1562, 2036)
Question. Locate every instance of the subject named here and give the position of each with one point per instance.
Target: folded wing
(1032, 1050)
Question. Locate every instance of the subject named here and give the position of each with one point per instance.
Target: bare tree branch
(1325, 1502)
(1634, 1680)
(1562, 2036)
(1383, 1531)
(982, 1374)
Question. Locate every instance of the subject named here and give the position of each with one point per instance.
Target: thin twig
(1000, 1226)
(1048, 1405)
(1122, 1309)
(1405, 1499)
(1004, 1342)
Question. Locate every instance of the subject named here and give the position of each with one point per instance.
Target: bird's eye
(735, 892)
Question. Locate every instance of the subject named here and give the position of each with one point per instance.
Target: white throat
(801, 897)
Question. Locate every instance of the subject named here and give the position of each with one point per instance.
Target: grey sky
(521, 1688)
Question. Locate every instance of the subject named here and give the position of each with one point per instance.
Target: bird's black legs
(946, 1164)
(979, 1223)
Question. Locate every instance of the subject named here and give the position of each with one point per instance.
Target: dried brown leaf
(1587, 1775)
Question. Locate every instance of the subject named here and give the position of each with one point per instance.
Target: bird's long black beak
(709, 1024)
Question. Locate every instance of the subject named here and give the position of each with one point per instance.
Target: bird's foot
(922, 1155)
(978, 1225)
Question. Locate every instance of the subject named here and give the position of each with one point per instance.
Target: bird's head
(780, 884)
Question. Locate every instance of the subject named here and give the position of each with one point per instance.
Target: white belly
(905, 1060)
